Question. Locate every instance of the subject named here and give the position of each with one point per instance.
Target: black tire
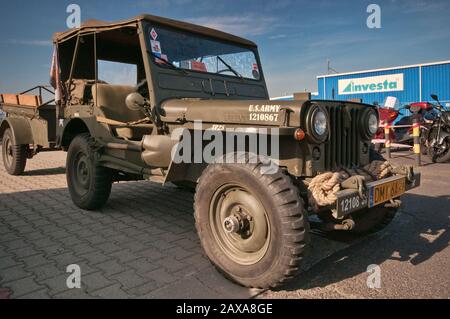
(444, 156)
(367, 221)
(372, 220)
(89, 184)
(286, 231)
(14, 156)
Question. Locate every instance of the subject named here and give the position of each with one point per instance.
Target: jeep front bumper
(376, 193)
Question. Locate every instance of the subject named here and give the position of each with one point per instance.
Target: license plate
(350, 202)
(384, 192)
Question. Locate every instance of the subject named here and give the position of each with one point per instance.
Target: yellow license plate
(384, 192)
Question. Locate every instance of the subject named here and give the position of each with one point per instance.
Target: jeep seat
(111, 100)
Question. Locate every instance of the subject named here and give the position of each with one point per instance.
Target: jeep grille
(343, 147)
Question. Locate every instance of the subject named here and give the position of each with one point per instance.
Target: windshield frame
(148, 27)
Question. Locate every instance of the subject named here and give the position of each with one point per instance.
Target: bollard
(416, 135)
(387, 143)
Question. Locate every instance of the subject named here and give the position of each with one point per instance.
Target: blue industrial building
(411, 83)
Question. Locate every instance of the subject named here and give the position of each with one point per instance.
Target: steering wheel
(142, 88)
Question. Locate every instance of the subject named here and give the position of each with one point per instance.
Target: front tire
(251, 225)
(14, 156)
(441, 156)
(89, 183)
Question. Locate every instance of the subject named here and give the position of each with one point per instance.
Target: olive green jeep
(194, 111)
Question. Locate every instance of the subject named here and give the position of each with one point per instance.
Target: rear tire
(14, 156)
(274, 231)
(89, 183)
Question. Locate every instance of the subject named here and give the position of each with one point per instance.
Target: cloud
(41, 43)
(277, 36)
(243, 25)
(146, 4)
(421, 6)
(337, 41)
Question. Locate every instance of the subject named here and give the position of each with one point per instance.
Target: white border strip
(282, 97)
(385, 69)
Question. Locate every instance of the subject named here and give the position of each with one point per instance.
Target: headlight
(373, 124)
(369, 123)
(320, 123)
(317, 124)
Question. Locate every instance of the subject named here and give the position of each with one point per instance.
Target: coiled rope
(323, 188)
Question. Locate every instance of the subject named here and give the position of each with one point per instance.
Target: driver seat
(111, 100)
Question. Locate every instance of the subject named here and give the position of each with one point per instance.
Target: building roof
(96, 25)
(384, 69)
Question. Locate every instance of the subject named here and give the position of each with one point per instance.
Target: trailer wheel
(14, 156)
(89, 183)
(252, 226)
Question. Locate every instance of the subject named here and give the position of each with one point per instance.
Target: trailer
(28, 127)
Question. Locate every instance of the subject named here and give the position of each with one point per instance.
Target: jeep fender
(20, 128)
(71, 129)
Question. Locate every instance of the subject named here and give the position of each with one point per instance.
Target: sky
(295, 37)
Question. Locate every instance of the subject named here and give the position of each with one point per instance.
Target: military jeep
(252, 208)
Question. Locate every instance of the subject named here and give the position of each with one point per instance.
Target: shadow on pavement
(414, 236)
(45, 172)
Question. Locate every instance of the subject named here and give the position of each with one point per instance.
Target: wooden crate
(30, 100)
(10, 99)
(21, 99)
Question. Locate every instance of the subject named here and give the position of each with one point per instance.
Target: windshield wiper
(167, 63)
(229, 67)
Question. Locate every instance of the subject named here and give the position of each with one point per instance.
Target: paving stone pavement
(142, 244)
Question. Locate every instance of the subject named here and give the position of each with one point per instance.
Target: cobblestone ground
(142, 244)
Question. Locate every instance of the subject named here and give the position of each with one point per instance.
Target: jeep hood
(247, 112)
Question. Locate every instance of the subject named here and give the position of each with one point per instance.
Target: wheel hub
(240, 224)
(232, 224)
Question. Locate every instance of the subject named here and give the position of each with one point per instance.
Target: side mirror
(135, 101)
(435, 97)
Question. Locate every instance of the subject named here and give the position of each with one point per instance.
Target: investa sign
(372, 84)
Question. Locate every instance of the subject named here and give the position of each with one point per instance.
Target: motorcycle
(404, 133)
(437, 138)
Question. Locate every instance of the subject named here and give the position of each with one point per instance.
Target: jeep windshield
(189, 51)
